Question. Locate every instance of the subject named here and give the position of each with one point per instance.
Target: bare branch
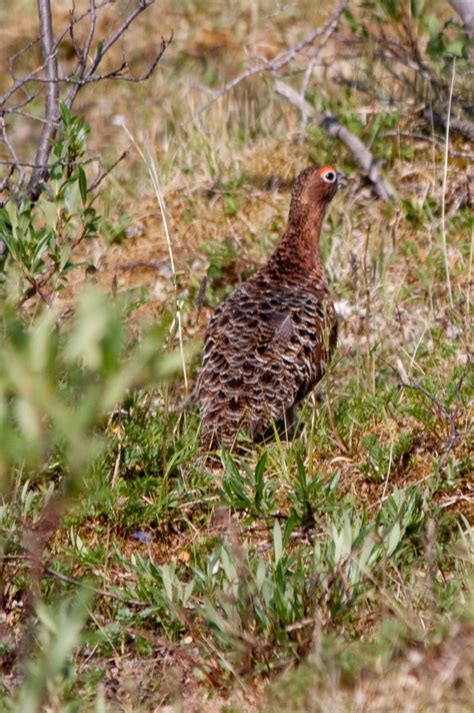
(461, 126)
(105, 173)
(52, 95)
(363, 157)
(19, 84)
(84, 53)
(3, 187)
(465, 10)
(20, 95)
(15, 163)
(441, 412)
(361, 153)
(86, 77)
(59, 162)
(429, 139)
(294, 98)
(282, 59)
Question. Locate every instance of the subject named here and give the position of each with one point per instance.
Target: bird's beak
(342, 180)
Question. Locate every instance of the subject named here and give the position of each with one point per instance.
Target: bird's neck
(300, 243)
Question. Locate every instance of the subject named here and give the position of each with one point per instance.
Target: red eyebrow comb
(325, 169)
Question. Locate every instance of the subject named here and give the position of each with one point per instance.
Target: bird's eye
(329, 176)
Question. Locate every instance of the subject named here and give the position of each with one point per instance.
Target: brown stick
(47, 74)
(282, 59)
(52, 96)
(363, 157)
(461, 126)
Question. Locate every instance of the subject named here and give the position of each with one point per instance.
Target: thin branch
(399, 54)
(52, 95)
(85, 72)
(461, 126)
(20, 83)
(102, 50)
(59, 162)
(465, 10)
(18, 54)
(281, 60)
(15, 163)
(441, 412)
(429, 139)
(363, 157)
(105, 173)
(3, 187)
(25, 115)
(84, 53)
(78, 83)
(96, 590)
(361, 153)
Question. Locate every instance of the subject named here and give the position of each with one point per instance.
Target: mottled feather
(267, 345)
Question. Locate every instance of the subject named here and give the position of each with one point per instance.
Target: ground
(331, 573)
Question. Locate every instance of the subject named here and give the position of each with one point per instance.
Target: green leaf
(66, 115)
(351, 21)
(393, 539)
(82, 184)
(417, 7)
(166, 577)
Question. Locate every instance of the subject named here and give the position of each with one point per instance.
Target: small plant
(246, 490)
(42, 236)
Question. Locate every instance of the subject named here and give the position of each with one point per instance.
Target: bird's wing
(263, 353)
(295, 357)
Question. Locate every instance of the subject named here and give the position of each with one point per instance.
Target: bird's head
(313, 190)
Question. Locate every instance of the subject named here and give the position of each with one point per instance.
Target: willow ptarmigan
(267, 344)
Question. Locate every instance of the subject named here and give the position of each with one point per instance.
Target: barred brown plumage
(267, 345)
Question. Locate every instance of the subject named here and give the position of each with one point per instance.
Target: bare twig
(460, 126)
(429, 139)
(334, 128)
(465, 10)
(52, 96)
(294, 98)
(47, 75)
(105, 173)
(86, 77)
(15, 163)
(281, 60)
(397, 53)
(361, 153)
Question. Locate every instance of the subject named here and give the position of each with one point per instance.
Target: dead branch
(105, 173)
(460, 126)
(15, 162)
(465, 10)
(428, 139)
(56, 85)
(363, 157)
(282, 59)
(51, 112)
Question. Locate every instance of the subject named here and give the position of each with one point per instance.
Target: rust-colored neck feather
(300, 243)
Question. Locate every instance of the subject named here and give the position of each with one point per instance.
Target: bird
(269, 342)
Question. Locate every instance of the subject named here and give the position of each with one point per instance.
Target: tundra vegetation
(147, 151)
